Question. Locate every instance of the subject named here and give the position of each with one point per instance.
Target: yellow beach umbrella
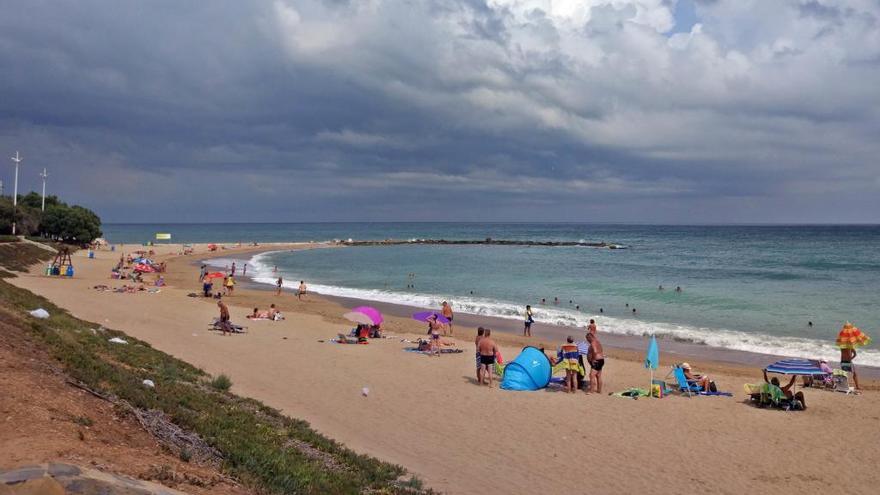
(851, 337)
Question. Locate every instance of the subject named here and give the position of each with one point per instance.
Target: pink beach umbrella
(374, 314)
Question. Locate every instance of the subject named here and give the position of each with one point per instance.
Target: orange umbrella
(851, 337)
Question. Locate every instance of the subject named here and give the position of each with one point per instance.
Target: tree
(73, 224)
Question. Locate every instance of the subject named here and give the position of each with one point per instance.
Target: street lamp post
(17, 160)
(44, 175)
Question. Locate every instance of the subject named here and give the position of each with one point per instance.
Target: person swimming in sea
(678, 289)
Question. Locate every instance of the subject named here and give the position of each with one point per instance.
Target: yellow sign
(163, 237)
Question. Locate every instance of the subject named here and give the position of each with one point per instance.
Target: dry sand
(428, 414)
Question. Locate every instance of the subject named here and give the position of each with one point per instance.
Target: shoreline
(630, 347)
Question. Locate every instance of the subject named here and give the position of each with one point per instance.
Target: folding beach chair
(685, 385)
(841, 382)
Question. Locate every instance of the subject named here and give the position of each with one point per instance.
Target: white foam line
(715, 337)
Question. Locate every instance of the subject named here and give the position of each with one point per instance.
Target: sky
(648, 111)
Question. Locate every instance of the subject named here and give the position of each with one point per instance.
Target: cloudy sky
(682, 111)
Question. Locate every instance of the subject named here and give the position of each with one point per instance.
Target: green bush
(222, 383)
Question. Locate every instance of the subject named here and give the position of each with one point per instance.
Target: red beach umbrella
(851, 337)
(216, 275)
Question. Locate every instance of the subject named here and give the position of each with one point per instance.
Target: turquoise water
(744, 287)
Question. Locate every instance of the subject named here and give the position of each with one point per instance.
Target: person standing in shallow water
(527, 326)
(279, 284)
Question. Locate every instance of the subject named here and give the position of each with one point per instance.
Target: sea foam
(263, 273)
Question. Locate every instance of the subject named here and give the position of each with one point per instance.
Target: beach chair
(841, 382)
(685, 385)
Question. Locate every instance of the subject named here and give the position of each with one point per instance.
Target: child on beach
(230, 285)
(568, 356)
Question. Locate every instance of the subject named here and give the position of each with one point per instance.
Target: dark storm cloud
(498, 109)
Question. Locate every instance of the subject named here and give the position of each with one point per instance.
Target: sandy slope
(428, 415)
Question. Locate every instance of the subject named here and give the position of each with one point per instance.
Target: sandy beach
(428, 415)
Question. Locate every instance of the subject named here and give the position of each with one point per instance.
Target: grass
(222, 383)
(261, 447)
(18, 256)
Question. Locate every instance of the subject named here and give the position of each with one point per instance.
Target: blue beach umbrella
(795, 367)
(652, 359)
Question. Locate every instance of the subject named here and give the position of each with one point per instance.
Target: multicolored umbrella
(374, 314)
(144, 268)
(424, 315)
(851, 337)
(795, 367)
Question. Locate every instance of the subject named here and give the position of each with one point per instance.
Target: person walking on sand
(527, 325)
(244, 271)
(202, 271)
(596, 358)
(279, 284)
(302, 290)
(233, 269)
(224, 316)
(481, 332)
(230, 285)
(488, 350)
(447, 313)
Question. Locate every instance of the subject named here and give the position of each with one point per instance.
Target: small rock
(40, 313)
(117, 340)
(149, 383)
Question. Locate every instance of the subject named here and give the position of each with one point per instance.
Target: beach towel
(718, 394)
(632, 393)
(442, 351)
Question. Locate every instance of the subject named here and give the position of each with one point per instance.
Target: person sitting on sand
(257, 315)
(375, 331)
(488, 350)
(787, 389)
(701, 380)
(274, 314)
(596, 358)
(568, 356)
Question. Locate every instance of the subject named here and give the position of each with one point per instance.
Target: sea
(779, 289)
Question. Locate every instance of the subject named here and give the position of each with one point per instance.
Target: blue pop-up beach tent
(531, 370)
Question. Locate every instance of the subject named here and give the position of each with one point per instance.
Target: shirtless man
(224, 317)
(846, 364)
(488, 349)
(279, 284)
(481, 332)
(447, 313)
(434, 329)
(302, 290)
(591, 328)
(596, 358)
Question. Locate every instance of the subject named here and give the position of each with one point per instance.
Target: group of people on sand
(272, 314)
(575, 357)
